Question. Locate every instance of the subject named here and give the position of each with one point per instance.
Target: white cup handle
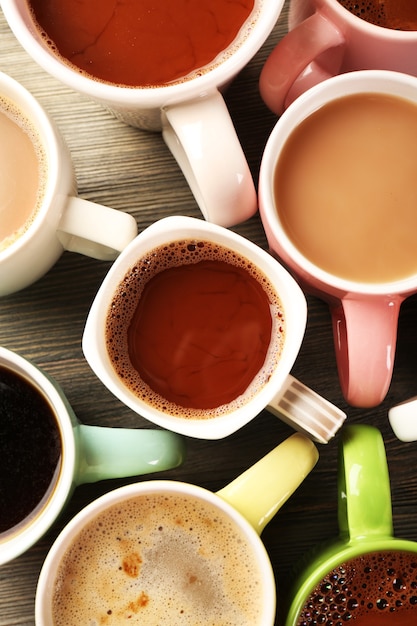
(306, 411)
(203, 140)
(95, 230)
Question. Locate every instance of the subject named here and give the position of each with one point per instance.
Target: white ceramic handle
(305, 410)
(403, 420)
(95, 230)
(203, 140)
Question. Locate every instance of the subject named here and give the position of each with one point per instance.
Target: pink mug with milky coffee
(329, 37)
(338, 198)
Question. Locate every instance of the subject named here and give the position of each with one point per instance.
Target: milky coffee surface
(159, 559)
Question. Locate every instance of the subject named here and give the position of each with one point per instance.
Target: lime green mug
(365, 577)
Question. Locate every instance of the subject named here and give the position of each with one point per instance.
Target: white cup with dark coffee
(160, 67)
(40, 212)
(196, 329)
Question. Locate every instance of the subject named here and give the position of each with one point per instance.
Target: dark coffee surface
(210, 318)
(140, 42)
(375, 589)
(394, 14)
(30, 448)
(194, 323)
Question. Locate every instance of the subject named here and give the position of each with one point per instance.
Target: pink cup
(364, 315)
(325, 39)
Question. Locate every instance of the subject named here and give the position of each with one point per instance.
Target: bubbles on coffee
(195, 329)
(379, 585)
(393, 14)
(160, 558)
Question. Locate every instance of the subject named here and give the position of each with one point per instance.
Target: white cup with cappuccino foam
(40, 213)
(165, 552)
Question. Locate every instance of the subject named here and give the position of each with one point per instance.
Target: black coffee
(30, 448)
(394, 14)
(375, 589)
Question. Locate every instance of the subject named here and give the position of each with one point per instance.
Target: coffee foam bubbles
(10, 110)
(393, 14)
(382, 584)
(159, 559)
(125, 301)
(370, 11)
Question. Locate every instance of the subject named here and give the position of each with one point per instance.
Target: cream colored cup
(249, 503)
(192, 115)
(277, 390)
(63, 221)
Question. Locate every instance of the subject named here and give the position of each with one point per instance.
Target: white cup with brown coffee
(164, 552)
(40, 212)
(160, 68)
(196, 329)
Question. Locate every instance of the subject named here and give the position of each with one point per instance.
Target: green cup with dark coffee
(45, 452)
(365, 577)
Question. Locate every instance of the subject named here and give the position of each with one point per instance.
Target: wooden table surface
(133, 170)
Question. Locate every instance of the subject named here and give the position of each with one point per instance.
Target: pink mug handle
(292, 55)
(365, 337)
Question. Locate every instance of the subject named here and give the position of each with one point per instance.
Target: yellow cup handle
(261, 490)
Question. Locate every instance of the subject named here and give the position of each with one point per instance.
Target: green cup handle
(364, 495)
(119, 452)
(261, 491)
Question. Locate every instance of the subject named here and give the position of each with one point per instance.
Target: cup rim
(176, 228)
(31, 109)
(14, 543)
(132, 490)
(366, 81)
(145, 97)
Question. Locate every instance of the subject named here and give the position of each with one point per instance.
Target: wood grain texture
(130, 169)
